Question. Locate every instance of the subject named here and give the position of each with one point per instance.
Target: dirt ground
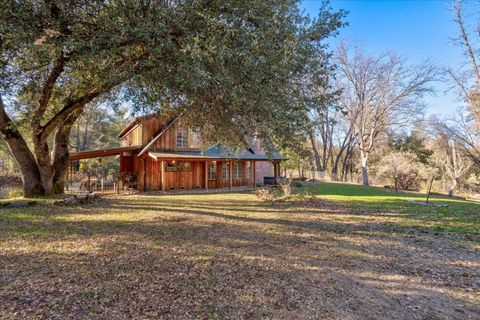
(230, 257)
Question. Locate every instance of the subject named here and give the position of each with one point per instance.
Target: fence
(92, 180)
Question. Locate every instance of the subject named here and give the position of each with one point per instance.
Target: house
(164, 154)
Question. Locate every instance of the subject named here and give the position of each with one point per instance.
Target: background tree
(453, 164)
(465, 126)
(379, 92)
(98, 127)
(413, 143)
(403, 168)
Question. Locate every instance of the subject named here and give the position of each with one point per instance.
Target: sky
(418, 29)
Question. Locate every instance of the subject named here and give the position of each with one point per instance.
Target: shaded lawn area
(354, 253)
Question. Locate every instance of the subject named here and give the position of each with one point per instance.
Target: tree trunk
(364, 157)
(42, 155)
(452, 189)
(316, 154)
(31, 177)
(61, 154)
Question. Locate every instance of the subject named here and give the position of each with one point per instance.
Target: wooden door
(181, 180)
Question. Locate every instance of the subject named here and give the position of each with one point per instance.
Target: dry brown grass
(230, 256)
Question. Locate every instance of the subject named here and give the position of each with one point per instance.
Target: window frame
(171, 166)
(184, 166)
(225, 171)
(183, 135)
(212, 171)
(238, 170)
(247, 172)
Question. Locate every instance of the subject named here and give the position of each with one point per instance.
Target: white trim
(157, 137)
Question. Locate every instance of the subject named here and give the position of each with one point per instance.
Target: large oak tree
(231, 65)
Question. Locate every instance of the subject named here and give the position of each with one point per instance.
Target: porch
(169, 172)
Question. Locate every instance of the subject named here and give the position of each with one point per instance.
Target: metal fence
(93, 180)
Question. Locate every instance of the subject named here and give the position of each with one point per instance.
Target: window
(237, 170)
(171, 166)
(225, 171)
(184, 166)
(212, 171)
(248, 170)
(194, 138)
(181, 139)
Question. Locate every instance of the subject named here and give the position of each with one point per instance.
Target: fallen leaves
(229, 256)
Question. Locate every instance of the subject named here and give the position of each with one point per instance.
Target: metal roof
(215, 153)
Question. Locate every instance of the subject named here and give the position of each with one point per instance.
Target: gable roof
(133, 123)
(213, 152)
(165, 128)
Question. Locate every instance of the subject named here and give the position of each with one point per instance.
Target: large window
(181, 139)
(237, 170)
(248, 170)
(212, 171)
(225, 171)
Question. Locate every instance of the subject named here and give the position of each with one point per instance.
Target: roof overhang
(89, 154)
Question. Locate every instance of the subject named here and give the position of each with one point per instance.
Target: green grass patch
(461, 216)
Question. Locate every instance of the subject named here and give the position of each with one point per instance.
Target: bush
(129, 179)
(287, 187)
(403, 168)
(266, 193)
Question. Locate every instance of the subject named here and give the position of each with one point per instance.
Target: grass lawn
(350, 253)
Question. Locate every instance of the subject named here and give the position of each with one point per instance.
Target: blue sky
(418, 29)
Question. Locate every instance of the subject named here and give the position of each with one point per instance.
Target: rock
(79, 198)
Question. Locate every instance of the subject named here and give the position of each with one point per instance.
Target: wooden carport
(99, 153)
(89, 154)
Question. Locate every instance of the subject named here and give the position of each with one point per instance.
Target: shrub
(403, 168)
(266, 193)
(129, 179)
(286, 187)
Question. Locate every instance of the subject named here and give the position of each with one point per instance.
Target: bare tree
(453, 164)
(379, 92)
(343, 152)
(465, 128)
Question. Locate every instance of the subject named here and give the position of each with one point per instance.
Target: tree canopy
(233, 66)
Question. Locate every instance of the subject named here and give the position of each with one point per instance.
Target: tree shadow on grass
(172, 262)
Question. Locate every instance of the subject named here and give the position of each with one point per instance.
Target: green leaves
(233, 66)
